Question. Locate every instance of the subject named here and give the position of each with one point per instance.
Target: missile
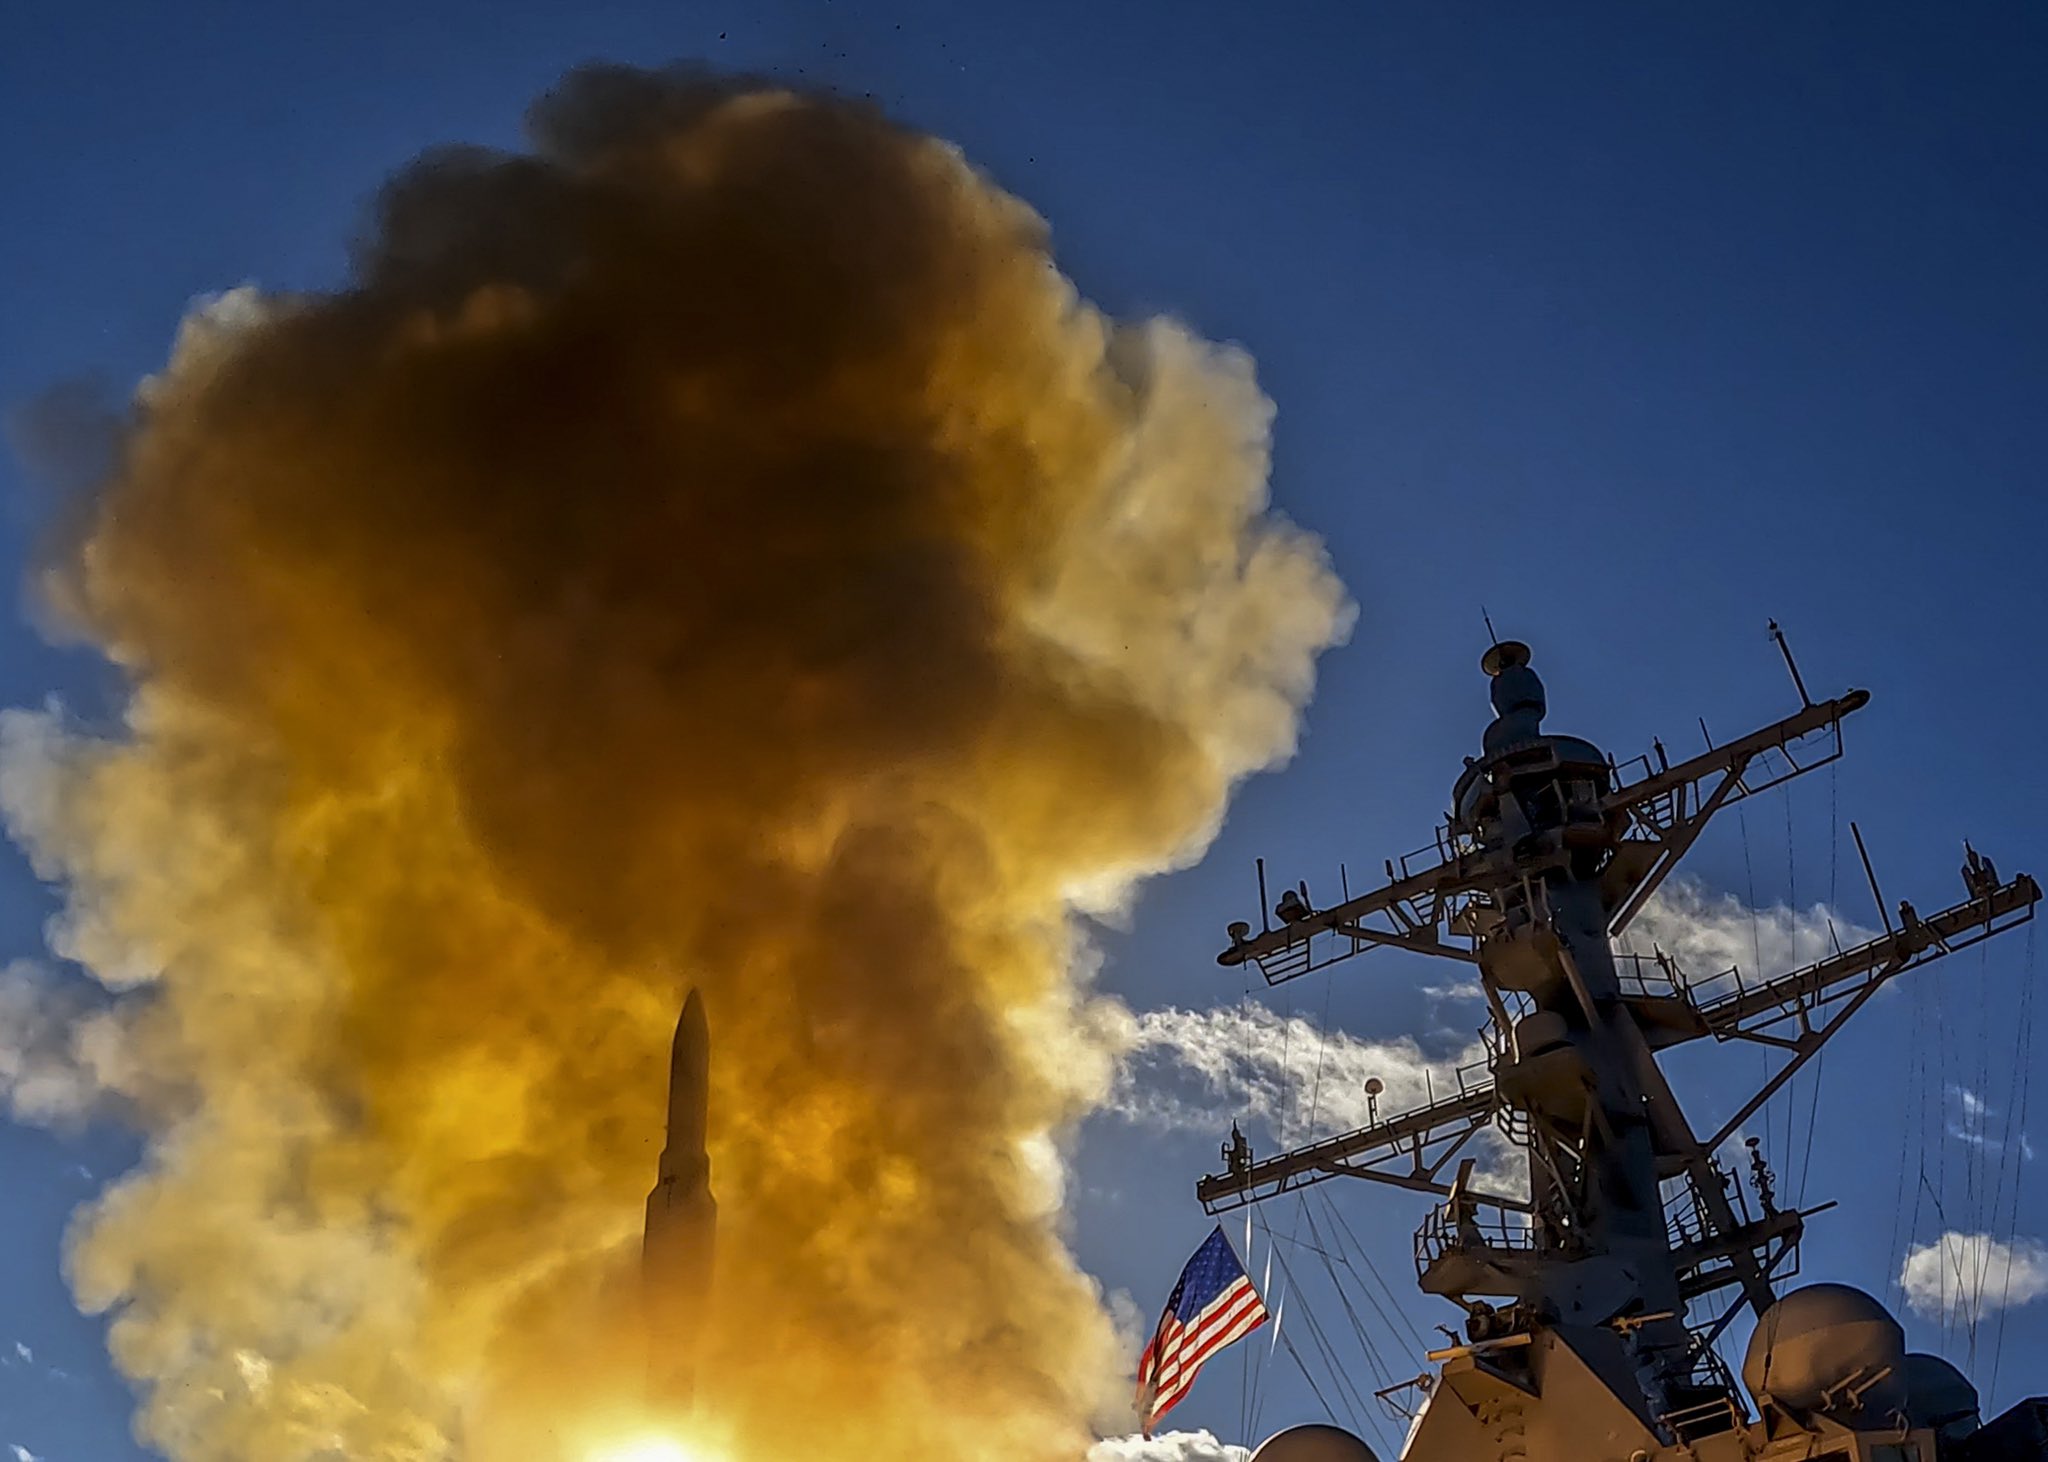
(682, 1221)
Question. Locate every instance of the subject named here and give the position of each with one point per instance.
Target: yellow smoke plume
(715, 547)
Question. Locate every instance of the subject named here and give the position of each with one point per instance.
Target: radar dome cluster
(1316, 1443)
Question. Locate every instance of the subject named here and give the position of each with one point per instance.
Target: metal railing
(1653, 976)
(1472, 1230)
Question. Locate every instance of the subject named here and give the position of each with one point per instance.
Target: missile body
(682, 1220)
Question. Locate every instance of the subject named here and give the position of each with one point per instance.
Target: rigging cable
(1791, 856)
(1249, 1404)
(1756, 946)
(2022, 1049)
(1376, 1362)
(1974, 1124)
(1289, 1091)
(1379, 1278)
(1820, 1062)
(1244, 1112)
(1834, 835)
(2008, 1152)
(1947, 1262)
(1315, 1092)
(1244, 1358)
(1941, 1097)
(1308, 1131)
(1797, 956)
(1339, 1255)
(1382, 1373)
(1279, 1310)
(1288, 1340)
(1342, 1382)
(2000, 1148)
(1919, 1127)
(1252, 1366)
(1820, 1071)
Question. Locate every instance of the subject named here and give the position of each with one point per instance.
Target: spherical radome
(1940, 1397)
(1314, 1443)
(1820, 1341)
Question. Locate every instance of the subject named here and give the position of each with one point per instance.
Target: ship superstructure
(1593, 1300)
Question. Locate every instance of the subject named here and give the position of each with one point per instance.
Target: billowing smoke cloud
(61, 1055)
(716, 547)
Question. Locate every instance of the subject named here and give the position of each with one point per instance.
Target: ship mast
(1549, 852)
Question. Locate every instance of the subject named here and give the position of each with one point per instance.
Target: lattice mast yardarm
(1630, 1221)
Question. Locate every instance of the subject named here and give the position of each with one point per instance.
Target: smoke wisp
(713, 547)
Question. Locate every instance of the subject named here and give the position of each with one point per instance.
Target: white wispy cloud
(1454, 992)
(1970, 1118)
(1705, 932)
(23, 1454)
(1207, 1068)
(1972, 1274)
(21, 1349)
(1196, 1446)
(1249, 1062)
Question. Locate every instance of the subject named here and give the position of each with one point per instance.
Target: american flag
(1214, 1304)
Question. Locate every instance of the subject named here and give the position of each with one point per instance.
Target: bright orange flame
(651, 1449)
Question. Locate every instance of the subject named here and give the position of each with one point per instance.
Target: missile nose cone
(693, 1032)
(689, 1080)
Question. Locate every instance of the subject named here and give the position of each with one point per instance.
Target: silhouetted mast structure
(1549, 851)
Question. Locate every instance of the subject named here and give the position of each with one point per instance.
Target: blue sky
(1638, 325)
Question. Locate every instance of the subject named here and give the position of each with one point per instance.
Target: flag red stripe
(1183, 1366)
(1224, 1301)
(1247, 1320)
(1195, 1339)
(1169, 1396)
(1173, 1333)
(1179, 1345)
